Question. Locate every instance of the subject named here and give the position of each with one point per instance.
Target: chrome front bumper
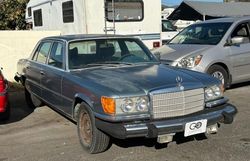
(152, 129)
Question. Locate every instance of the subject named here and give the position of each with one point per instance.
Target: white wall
(15, 45)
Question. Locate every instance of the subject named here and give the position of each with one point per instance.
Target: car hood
(174, 52)
(139, 79)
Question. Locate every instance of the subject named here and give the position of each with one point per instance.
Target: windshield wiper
(110, 64)
(113, 63)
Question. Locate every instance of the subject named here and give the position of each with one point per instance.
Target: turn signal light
(198, 59)
(108, 105)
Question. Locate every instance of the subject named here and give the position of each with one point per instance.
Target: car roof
(227, 19)
(85, 36)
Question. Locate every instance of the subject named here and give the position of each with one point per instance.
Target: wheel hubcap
(85, 128)
(219, 76)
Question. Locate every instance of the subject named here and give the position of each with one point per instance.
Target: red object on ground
(3, 94)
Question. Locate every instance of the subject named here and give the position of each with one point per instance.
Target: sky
(177, 2)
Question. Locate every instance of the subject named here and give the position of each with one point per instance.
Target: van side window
(241, 31)
(68, 12)
(38, 18)
(43, 52)
(56, 55)
(125, 10)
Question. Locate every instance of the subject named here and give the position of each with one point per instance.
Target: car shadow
(152, 142)
(19, 108)
(239, 85)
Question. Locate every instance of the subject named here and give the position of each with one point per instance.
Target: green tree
(12, 14)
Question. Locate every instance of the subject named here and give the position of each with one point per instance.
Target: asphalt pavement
(44, 135)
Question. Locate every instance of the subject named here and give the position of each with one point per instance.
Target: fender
(85, 99)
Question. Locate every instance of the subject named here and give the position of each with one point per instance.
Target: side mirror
(228, 43)
(158, 55)
(239, 40)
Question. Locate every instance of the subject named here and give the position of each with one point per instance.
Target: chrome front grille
(180, 103)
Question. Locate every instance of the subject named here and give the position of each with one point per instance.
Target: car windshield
(167, 26)
(204, 34)
(97, 52)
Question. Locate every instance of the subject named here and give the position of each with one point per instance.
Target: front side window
(56, 55)
(241, 31)
(68, 12)
(112, 51)
(38, 18)
(204, 34)
(43, 52)
(124, 10)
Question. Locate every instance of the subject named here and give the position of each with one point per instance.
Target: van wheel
(32, 101)
(220, 73)
(92, 140)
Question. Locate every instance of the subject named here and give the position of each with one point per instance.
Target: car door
(51, 80)
(240, 53)
(35, 66)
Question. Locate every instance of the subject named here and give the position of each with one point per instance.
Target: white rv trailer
(140, 18)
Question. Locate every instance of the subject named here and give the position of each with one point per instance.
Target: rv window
(68, 12)
(29, 11)
(124, 10)
(38, 19)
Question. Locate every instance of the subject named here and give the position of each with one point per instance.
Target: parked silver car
(219, 47)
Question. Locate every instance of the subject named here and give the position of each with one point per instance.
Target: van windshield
(204, 34)
(87, 53)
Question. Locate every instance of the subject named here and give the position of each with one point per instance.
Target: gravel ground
(44, 135)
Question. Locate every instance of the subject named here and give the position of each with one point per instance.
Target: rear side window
(125, 10)
(38, 18)
(68, 12)
(56, 55)
(43, 52)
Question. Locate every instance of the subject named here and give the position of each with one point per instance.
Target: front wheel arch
(224, 67)
(76, 106)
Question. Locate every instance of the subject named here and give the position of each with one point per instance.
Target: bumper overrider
(154, 128)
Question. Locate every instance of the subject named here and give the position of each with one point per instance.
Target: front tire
(220, 73)
(92, 139)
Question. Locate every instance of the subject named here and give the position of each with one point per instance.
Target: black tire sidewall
(84, 109)
(32, 100)
(29, 100)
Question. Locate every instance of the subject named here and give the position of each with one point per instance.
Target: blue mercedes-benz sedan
(113, 86)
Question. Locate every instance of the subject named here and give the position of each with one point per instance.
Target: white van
(140, 18)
